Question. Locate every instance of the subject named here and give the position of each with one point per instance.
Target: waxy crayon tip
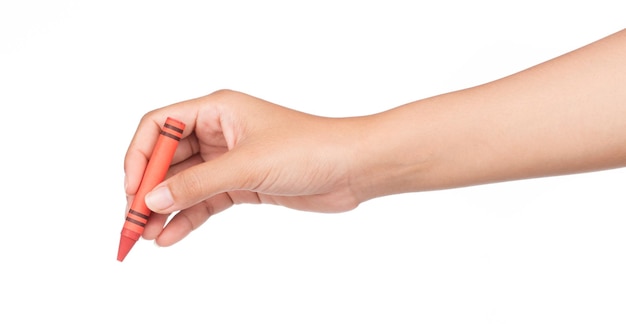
(126, 243)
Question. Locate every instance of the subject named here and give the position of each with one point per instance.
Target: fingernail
(159, 199)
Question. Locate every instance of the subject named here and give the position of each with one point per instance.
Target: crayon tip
(126, 243)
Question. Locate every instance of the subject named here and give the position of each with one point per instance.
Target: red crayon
(157, 167)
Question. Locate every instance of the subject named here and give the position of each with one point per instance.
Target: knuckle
(190, 187)
(223, 95)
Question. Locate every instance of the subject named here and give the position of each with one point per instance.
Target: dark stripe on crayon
(170, 135)
(128, 219)
(136, 213)
(173, 128)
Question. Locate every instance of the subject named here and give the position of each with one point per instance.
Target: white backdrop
(75, 78)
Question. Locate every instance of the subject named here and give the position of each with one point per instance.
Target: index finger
(146, 135)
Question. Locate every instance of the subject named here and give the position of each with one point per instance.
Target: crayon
(160, 160)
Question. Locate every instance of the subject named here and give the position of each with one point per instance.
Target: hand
(240, 149)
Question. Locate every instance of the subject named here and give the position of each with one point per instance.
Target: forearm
(564, 116)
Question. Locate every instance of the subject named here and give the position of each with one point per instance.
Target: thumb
(194, 185)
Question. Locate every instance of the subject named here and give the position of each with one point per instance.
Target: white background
(75, 78)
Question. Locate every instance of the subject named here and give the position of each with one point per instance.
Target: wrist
(391, 154)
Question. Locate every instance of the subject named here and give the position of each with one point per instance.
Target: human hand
(559, 117)
(240, 149)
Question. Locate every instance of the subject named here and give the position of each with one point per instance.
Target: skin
(563, 116)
